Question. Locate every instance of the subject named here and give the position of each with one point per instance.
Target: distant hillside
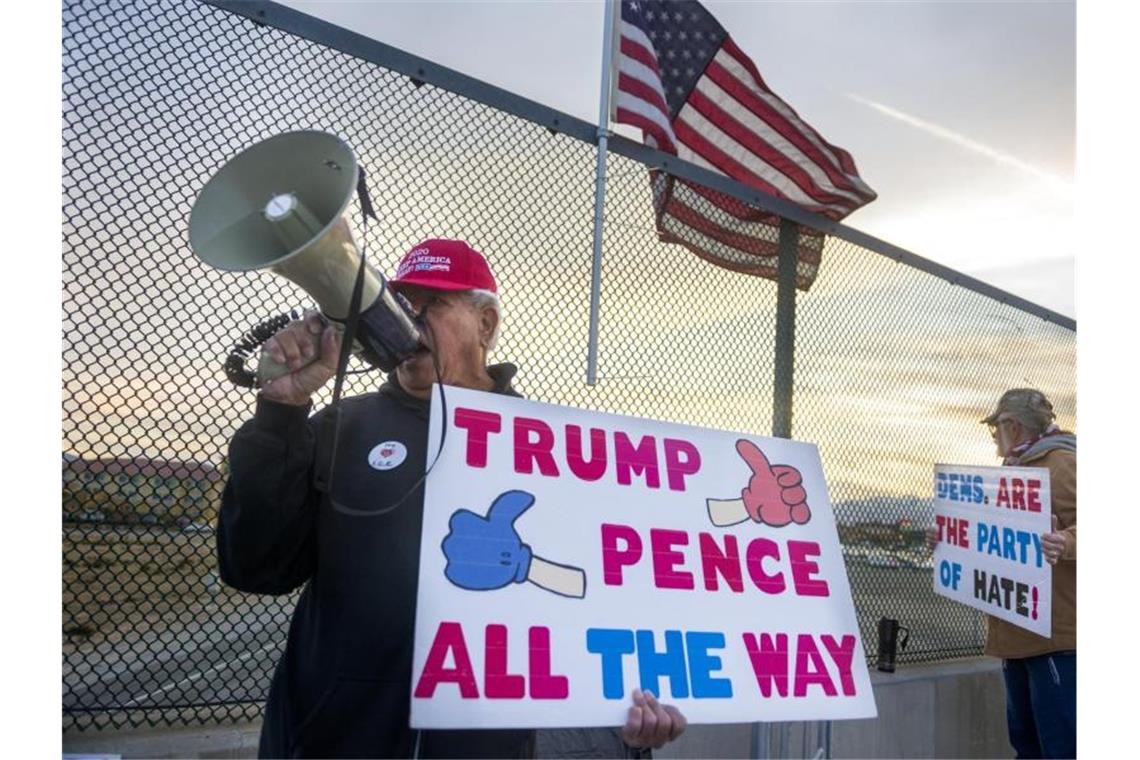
(885, 509)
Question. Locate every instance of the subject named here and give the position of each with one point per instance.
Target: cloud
(1058, 184)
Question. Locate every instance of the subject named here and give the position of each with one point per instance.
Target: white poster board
(569, 557)
(989, 557)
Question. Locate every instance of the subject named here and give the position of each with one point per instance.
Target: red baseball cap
(442, 264)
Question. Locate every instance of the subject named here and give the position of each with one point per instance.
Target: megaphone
(279, 205)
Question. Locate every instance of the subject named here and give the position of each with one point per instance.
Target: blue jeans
(1041, 704)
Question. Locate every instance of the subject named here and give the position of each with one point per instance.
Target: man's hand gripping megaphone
(307, 350)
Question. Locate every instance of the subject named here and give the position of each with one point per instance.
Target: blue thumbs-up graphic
(485, 553)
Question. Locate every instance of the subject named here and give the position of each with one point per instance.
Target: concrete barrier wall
(954, 709)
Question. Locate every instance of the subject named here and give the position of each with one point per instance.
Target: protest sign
(989, 557)
(569, 557)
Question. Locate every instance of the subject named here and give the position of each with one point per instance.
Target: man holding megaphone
(291, 514)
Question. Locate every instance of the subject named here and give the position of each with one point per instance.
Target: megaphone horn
(279, 205)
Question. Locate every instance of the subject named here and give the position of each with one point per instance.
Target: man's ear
(488, 321)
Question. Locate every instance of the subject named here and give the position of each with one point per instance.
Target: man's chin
(417, 369)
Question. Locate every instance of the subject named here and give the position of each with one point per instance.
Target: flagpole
(611, 8)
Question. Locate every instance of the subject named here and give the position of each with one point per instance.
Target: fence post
(782, 407)
(785, 330)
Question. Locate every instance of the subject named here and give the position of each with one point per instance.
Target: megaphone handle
(269, 369)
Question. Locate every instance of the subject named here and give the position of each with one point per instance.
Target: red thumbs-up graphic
(774, 495)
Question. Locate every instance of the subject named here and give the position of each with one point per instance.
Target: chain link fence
(893, 365)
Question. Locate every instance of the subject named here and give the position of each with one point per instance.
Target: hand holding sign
(651, 724)
(1053, 544)
(774, 495)
(486, 553)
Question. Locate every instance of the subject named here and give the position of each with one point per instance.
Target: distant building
(140, 490)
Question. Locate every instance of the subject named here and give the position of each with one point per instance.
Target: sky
(961, 115)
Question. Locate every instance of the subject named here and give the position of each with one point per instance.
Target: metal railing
(896, 358)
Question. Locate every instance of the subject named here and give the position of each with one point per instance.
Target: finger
(290, 348)
(274, 349)
(680, 723)
(786, 475)
(648, 722)
(330, 349)
(308, 346)
(1056, 523)
(631, 731)
(314, 322)
(316, 373)
(664, 723)
(754, 457)
(509, 505)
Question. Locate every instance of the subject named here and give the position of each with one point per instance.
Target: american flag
(693, 93)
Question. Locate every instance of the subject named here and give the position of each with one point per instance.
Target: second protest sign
(989, 556)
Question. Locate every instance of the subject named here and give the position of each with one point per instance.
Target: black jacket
(341, 689)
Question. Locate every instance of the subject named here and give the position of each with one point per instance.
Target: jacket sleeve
(267, 523)
(1063, 487)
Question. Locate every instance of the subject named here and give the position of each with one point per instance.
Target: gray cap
(1023, 404)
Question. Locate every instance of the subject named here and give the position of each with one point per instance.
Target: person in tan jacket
(1040, 673)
